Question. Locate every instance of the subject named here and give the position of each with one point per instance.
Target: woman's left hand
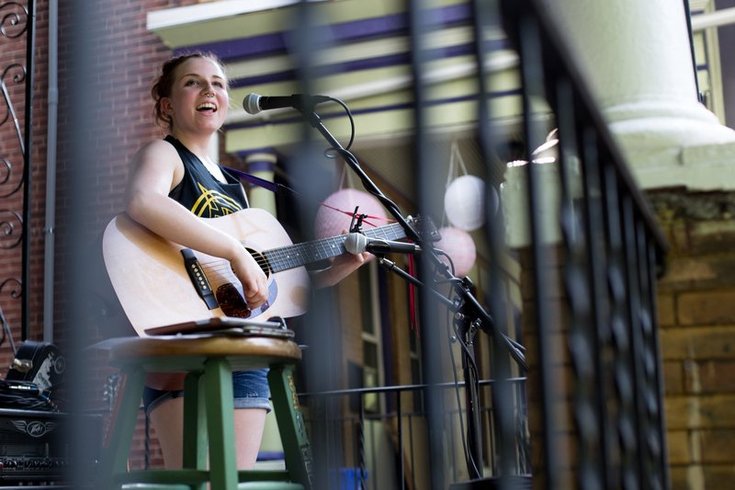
(342, 266)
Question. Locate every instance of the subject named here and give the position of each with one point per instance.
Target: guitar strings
(285, 253)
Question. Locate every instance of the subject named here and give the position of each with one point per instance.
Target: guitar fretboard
(291, 256)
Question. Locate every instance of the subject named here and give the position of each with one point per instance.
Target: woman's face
(199, 99)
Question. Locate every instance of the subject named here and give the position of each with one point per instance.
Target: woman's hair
(165, 82)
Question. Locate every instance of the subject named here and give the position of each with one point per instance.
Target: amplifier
(31, 446)
(39, 363)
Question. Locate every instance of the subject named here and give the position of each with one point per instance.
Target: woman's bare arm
(157, 169)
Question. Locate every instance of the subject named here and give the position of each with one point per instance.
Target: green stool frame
(208, 406)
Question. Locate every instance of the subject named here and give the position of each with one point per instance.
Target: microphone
(254, 103)
(356, 243)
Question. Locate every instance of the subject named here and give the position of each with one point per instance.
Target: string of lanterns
(463, 207)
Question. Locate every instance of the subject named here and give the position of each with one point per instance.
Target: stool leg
(116, 454)
(296, 448)
(195, 429)
(220, 409)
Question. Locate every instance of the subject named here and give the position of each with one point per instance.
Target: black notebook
(274, 327)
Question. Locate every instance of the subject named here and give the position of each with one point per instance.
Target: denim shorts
(250, 390)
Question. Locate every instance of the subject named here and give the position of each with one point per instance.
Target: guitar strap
(266, 184)
(275, 187)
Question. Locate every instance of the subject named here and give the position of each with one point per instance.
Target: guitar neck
(291, 256)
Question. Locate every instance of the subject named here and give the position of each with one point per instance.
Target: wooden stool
(208, 362)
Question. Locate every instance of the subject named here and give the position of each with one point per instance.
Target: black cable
(25, 395)
(468, 454)
(332, 152)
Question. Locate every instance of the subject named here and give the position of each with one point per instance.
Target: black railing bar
(599, 334)
(690, 33)
(528, 40)
(572, 228)
(562, 66)
(487, 419)
(427, 181)
(400, 439)
(567, 154)
(402, 388)
(483, 13)
(372, 451)
(454, 420)
(361, 441)
(661, 416)
(388, 415)
(488, 412)
(411, 451)
(654, 438)
(619, 314)
(634, 331)
(27, 173)
(501, 397)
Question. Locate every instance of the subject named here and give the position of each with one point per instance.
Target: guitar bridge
(198, 278)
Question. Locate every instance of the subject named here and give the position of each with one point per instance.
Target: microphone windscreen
(251, 103)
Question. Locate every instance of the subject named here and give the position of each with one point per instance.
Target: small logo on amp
(34, 428)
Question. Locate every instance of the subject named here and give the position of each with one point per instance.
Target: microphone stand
(468, 313)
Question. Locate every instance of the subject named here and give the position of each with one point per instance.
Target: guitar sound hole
(232, 302)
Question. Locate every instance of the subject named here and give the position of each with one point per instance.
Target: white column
(262, 165)
(636, 58)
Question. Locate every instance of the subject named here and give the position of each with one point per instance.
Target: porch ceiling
(365, 62)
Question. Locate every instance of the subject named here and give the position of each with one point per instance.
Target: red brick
(714, 376)
(666, 309)
(717, 447)
(673, 378)
(678, 445)
(699, 343)
(700, 412)
(706, 307)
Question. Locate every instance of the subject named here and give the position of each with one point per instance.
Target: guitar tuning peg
(356, 222)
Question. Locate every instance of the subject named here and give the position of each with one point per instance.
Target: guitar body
(151, 281)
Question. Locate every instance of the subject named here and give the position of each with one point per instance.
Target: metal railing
(17, 22)
(377, 448)
(592, 285)
(612, 255)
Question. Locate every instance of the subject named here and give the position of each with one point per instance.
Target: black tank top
(200, 192)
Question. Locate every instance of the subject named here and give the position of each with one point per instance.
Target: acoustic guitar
(160, 283)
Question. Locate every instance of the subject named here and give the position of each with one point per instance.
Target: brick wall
(126, 58)
(12, 188)
(697, 317)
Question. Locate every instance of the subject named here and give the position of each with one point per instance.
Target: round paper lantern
(460, 247)
(331, 222)
(464, 204)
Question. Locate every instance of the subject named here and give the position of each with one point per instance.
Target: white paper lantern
(464, 202)
(460, 247)
(331, 222)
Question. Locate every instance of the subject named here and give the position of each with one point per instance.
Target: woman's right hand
(253, 279)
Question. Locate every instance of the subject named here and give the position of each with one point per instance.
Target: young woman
(173, 186)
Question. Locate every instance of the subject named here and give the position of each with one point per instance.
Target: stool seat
(208, 362)
(242, 352)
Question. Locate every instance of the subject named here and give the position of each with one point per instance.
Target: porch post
(636, 59)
